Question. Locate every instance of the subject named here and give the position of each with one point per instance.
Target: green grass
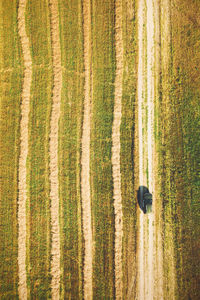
(103, 68)
(180, 148)
(38, 203)
(71, 33)
(127, 131)
(11, 85)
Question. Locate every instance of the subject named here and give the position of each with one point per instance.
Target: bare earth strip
(116, 150)
(55, 114)
(150, 139)
(140, 89)
(22, 288)
(85, 157)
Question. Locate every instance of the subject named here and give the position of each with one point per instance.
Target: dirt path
(22, 287)
(116, 150)
(146, 139)
(85, 157)
(55, 114)
(140, 90)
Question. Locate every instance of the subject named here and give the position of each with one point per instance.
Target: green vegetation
(38, 204)
(177, 129)
(11, 84)
(103, 71)
(70, 131)
(179, 150)
(127, 132)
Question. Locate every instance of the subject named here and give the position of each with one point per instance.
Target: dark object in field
(144, 199)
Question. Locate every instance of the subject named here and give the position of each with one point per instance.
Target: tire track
(22, 232)
(53, 144)
(85, 156)
(116, 150)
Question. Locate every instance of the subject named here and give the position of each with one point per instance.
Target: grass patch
(70, 130)
(103, 70)
(11, 85)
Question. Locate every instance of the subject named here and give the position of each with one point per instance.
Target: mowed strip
(85, 158)
(116, 150)
(54, 184)
(25, 106)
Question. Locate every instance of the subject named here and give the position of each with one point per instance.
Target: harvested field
(98, 98)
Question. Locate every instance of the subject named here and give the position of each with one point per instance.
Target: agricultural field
(98, 98)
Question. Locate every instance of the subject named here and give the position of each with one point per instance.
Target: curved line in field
(85, 155)
(53, 145)
(140, 89)
(22, 286)
(116, 150)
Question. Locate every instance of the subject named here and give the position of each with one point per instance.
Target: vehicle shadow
(140, 197)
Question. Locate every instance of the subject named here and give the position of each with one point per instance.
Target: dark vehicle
(144, 199)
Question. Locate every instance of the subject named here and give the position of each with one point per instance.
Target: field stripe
(140, 89)
(85, 158)
(23, 151)
(116, 150)
(55, 114)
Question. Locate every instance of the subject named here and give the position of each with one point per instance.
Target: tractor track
(25, 107)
